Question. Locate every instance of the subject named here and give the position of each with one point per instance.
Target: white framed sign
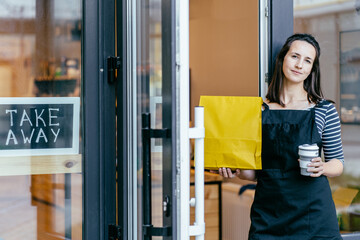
(39, 126)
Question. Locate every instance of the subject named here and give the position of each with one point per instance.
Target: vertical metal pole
(146, 173)
(264, 46)
(184, 150)
(199, 172)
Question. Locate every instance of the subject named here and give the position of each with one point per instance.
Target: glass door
(155, 75)
(151, 110)
(41, 180)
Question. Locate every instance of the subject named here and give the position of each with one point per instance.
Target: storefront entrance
(96, 100)
(118, 171)
(87, 116)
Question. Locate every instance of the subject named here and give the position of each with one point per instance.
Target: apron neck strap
(265, 106)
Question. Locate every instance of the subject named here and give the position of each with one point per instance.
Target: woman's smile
(296, 72)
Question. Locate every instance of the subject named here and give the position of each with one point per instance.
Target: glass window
(336, 25)
(40, 58)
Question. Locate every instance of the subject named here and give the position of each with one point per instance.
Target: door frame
(169, 111)
(124, 210)
(127, 137)
(281, 22)
(98, 119)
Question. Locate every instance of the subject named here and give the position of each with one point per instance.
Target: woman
(288, 205)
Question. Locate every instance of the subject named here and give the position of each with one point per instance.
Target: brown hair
(311, 83)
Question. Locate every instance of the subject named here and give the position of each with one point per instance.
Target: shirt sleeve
(331, 135)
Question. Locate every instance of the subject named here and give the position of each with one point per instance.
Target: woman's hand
(243, 174)
(316, 167)
(227, 173)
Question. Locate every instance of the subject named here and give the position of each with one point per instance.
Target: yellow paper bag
(232, 132)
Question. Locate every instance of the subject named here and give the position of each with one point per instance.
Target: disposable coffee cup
(306, 153)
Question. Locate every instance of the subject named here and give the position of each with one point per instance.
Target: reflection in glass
(40, 56)
(336, 25)
(17, 9)
(149, 92)
(350, 76)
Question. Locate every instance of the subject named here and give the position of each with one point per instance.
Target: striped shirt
(328, 124)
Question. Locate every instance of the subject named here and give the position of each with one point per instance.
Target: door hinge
(267, 78)
(113, 65)
(114, 232)
(166, 206)
(266, 11)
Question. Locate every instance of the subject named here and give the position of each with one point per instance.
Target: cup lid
(309, 147)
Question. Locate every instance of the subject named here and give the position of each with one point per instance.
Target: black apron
(288, 205)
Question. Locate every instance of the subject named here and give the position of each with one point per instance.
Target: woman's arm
(332, 168)
(328, 123)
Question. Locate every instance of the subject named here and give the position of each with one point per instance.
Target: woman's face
(298, 61)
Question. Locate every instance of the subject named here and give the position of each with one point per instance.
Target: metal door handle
(147, 134)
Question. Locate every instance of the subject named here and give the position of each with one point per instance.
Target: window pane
(40, 56)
